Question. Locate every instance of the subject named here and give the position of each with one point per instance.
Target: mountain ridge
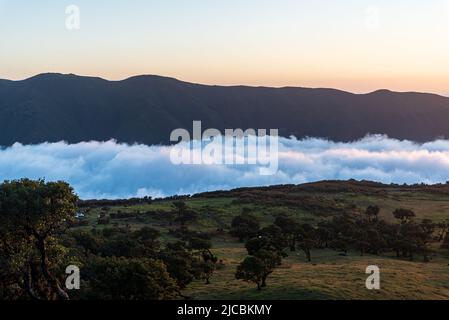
(155, 76)
(52, 107)
(167, 78)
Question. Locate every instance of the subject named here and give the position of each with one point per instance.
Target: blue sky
(357, 45)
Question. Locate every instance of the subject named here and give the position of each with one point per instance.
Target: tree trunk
(52, 281)
(293, 245)
(264, 281)
(28, 282)
(308, 255)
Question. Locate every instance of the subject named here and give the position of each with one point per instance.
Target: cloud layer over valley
(112, 170)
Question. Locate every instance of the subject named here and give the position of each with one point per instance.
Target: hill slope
(145, 109)
(330, 275)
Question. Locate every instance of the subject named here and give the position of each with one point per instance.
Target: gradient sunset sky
(355, 45)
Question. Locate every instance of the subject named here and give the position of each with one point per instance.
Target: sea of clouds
(113, 170)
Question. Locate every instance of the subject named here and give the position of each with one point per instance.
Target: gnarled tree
(32, 215)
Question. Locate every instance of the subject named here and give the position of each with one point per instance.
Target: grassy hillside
(329, 275)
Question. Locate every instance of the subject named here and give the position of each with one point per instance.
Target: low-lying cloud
(112, 170)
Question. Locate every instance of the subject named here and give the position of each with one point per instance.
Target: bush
(128, 279)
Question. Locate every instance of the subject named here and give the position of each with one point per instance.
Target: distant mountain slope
(145, 109)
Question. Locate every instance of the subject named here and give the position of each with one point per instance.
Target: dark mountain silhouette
(145, 109)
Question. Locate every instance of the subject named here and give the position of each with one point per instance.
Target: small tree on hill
(252, 269)
(290, 229)
(306, 239)
(372, 213)
(244, 226)
(265, 256)
(184, 215)
(208, 262)
(404, 215)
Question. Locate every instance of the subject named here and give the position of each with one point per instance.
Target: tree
(180, 206)
(208, 267)
(91, 243)
(208, 261)
(256, 244)
(258, 267)
(244, 226)
(342, 231)
(147, 234)
(372, 213)
(404, 215)
(277, 240)
(268, 257)
(113, 278)
(251, 269)
(181, 264)
(409, 234)
(411, 238)
(445, 244)
(390, 234)
(443, 230)
(427, 228)
(271, 259)
(361, 242)
(306, 239)
(290, 229)
(368, 234)
(184, 215)
(149, 238)
(324, 234)
(13, 265)
(35, 213)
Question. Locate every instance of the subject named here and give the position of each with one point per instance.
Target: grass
(329, 276)
(426, 206)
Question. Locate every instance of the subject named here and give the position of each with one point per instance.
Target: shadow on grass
(276, 293)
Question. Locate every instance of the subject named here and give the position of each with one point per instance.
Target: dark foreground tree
(32, 214)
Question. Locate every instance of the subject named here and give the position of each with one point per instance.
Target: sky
(354, 45)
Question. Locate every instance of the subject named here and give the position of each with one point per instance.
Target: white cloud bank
(112, 170)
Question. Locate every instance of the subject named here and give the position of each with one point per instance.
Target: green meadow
(330, 275)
